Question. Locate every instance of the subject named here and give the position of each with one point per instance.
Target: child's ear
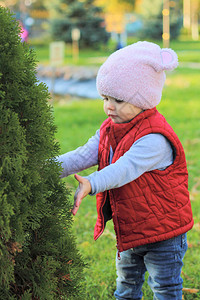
(169, 59)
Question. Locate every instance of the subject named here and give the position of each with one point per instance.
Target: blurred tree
(16, 5)
(38, 254)
(83, 15)
(38, 4)
(130, 2)
(115, 15)
(153, 19)
(116, 6)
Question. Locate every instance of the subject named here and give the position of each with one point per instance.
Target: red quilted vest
(155, 206)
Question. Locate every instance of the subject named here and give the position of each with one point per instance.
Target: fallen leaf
(191, 291)
(186, 276)
(195, 191)
(193, 141)
(112, 235)
(192, 245)
(197, 226)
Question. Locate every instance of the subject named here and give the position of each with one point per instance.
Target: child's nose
(110, 105)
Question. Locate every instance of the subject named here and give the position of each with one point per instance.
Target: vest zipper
(117, 229)
(118, 254)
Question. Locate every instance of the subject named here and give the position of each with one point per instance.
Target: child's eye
(118, 101)
(105, 98)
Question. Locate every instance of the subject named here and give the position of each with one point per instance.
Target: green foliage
(153, 19)
(38, 255)
(83, 15)
(187, 50)
(130, 2)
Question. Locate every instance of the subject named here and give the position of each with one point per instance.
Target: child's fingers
(79, 178)
(77, 201)
(82, 191)
(75, 209)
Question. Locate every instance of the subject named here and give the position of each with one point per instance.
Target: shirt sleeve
(82, 158)
(150, 152)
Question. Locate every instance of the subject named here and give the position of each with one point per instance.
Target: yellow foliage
(114, 6)
(114, 13)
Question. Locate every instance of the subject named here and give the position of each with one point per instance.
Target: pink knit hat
(136, 74)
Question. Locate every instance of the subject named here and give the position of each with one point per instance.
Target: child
(142, 180)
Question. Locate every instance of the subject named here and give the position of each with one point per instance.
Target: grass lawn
(188, 51)
(79, 120)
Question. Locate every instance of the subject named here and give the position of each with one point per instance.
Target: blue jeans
(162, 260)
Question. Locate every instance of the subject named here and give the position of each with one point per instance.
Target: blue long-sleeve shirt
(152, 151)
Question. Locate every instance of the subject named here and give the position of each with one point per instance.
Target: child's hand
(82, 191)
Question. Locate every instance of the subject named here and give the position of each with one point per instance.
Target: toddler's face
(119, 111)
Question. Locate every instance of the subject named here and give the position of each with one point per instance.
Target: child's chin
(115, 120)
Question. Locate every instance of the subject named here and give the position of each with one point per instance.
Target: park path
(79, 81)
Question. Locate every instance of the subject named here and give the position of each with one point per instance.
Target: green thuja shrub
(38, 254)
